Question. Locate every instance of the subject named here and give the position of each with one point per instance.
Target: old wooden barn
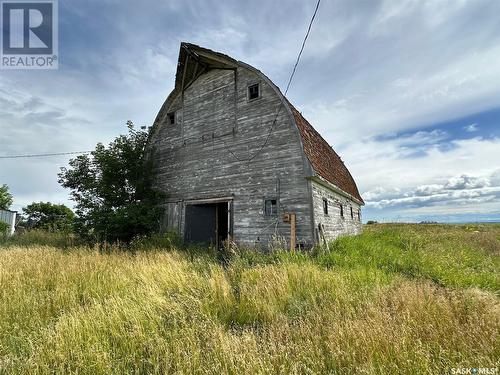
(234, 156)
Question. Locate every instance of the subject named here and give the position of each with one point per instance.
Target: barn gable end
(220, 152)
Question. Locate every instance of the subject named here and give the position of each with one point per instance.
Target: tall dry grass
(81, 311)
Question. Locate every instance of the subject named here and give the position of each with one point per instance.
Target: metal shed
(9, 217)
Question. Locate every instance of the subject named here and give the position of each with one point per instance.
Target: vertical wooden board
(171, 216)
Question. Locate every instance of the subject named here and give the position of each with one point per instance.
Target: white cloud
(442, 197)
(466, 182)
(375, 162)
(471, 128)
(405, 185)
(400, 80)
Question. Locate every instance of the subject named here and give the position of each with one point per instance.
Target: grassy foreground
(399, 299)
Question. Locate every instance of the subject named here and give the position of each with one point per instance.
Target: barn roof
(325, 162)
(323, 158)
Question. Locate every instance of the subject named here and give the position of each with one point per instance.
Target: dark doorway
(208, 223)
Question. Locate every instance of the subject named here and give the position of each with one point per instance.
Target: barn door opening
(208, 223)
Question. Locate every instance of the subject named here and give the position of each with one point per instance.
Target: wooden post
(217, 244)
(292, 231)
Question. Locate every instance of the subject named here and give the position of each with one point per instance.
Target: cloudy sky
(407, 92)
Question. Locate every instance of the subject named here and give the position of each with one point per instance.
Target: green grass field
(399, 299)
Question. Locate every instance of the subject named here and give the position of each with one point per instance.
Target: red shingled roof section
(324, 160)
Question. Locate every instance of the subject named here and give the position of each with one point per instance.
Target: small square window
(270, 207)
(253, 91)
(341, 210)
(325, 206)
(171, 118)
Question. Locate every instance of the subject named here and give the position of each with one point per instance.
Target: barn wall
(204, 155)
(334, 225)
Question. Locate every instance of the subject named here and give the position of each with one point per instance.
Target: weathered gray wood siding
(205, 155)
(333, 224)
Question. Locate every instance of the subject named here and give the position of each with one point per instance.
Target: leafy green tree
(49, 216)
(5, 197)
(113, 190)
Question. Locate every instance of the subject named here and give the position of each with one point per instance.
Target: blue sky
(406, 91)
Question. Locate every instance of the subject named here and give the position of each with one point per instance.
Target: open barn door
(208, 223)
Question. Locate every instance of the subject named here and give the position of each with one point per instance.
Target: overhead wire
(44, 155)
(271, 128)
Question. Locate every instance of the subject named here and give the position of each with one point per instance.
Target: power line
(271, 128)
(302, 48)
(44, 155)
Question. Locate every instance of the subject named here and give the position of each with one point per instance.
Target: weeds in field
(29, 238)
(385, 302)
